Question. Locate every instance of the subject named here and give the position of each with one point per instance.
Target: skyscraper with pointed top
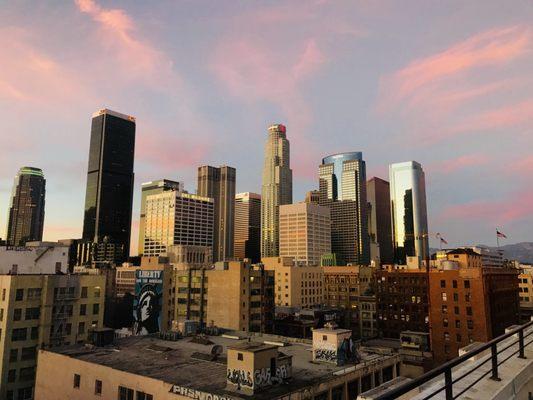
(276, 187)
(26, 211)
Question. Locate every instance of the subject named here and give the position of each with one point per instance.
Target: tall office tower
(219, 184)
(177, 217)
(304, 232)
(277, 187)
(379, 221)
(408, 211)
(109, 195)
(312, 196)
(148, 188)
(248, 226)
(342, 180)
(26, 210)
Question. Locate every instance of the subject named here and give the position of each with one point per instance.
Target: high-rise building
(26, 210)
(312, 196)
(219, 184)
(408, 211)
(277, 187)
(109, 196)
(247, 226)
(304, 232)
(148, 188)
(43, 311)
(379, 221)
(342, 185)
(177, 217)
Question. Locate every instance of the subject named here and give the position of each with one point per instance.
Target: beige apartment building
(295, 286)
(229, 367)
(43, 311)
(304, 232)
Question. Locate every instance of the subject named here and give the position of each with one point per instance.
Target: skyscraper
(26, 210)
(276, 189)
(248, 226)
(342, 183)
(408, 211)
(177, 217)
(109, 195)
(147, 189)
(219, 184)
(379, 220)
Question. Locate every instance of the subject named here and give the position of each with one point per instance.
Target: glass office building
(342, 184)
(109, 195)
(408, 211)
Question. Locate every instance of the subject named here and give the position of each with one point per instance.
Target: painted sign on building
(148, 301)
(196, 394)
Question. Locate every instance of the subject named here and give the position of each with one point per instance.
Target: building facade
(409, 211)
(26, 209)
(109, 195)
(149, 188)
(342, 183)
(177, 217)
(247, 227)
(312, 196)
(43, 311)
(298, 286)
(34, 258)
(276, 188)
(402, 301)
(469, 302)
(379, 219)
(219, 184)
(304, 232)
(525, 291)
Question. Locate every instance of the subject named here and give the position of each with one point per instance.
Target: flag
(442, 240)
(500, 234)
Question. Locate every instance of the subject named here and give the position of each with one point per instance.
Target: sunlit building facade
(276, 189)
(408, 211)
(342, 183)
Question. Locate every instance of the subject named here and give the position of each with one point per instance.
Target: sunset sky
(448, 84)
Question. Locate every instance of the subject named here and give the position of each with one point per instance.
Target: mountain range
(522, 252)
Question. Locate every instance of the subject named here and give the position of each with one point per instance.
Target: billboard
(147, 302)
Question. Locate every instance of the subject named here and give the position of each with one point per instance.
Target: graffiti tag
(196, 394)
(240, 378)
(325, 355)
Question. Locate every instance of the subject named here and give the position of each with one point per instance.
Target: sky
(448, 84)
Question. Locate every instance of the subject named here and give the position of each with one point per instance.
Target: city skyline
(456, 146)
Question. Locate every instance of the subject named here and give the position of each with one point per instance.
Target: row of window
(124, 393)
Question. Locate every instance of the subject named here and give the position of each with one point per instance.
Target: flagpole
(497, 239)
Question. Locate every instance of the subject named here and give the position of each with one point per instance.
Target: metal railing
(446, 369)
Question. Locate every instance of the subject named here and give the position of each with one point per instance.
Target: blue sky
(448, 84)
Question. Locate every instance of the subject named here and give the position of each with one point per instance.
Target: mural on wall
(264, 377)
(147, 302)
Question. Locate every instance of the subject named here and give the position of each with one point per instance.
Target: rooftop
(188, 362)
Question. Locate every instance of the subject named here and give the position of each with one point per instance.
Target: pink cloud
(515, 207)
(459, 163)
(522, 166)
(139, 59)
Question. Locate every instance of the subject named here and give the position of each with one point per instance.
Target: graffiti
(147, 306)
(240, 378)
(326, 355)
(196, 394)
(263, 376)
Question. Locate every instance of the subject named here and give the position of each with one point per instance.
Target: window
(470, 324)
(34, 293)
(13, 355)
(35, 332)
(96, 308)
(445, 322)
(96, 291)
(444, 296)
(442, 283)
(27, 374)
(444, 309)
(467, 284)
(454, 284)
(28, 353)
(125, 393)
(1, 314)
(81, 328)
(98, 387)
(17, 314)
(456, 297)
(456, 310)
(83, 309)
(239, 356)
(468, 310)
(25, 393)
(19, 295)
(77, 379)
(33, 313)
(458, 338)
(457, 323)
(144, 396)
(84, 292)
(446, 336)
(3, 294)
(19, 334)
(12, 375)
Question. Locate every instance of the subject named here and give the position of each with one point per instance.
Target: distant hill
(522, 252)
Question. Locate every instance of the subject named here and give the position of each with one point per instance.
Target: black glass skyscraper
(109, 196)
(26, 210)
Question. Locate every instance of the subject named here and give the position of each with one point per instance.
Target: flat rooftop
(187, 362)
